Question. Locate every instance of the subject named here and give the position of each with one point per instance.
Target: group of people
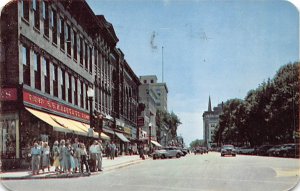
(67, 157)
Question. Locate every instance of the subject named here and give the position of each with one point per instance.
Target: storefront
(39, 118)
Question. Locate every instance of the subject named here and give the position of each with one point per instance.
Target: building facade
(210, 122)
(52, 52)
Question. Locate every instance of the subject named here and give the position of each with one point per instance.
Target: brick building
(52, 52)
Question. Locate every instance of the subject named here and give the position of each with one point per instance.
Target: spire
(209, 105)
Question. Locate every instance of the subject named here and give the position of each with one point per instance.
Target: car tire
(222, 155)
(154, 157)
(233, 155)
(163, 156)
(178, 155)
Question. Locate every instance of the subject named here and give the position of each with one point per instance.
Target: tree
(196, 143)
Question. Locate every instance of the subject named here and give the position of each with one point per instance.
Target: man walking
(99, 155)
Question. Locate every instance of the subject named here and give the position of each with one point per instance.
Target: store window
(8, 138)
(26, 65)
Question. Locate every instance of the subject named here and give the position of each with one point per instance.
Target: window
(54, 26)
(46, 18)
(68, 37)
(75, 92)
(75, 45)
(63, 85)
(86, 102)
(55, 81)
(26, 65)
(36, 12)
(145, 81)
(70, 93)
(81, 52)
(86, 59)
(25, 10)
(90, 60)
(37, 70)
(81, 94)
(62, 33)
(46, 75)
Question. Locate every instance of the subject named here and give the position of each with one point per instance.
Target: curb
(76, 175)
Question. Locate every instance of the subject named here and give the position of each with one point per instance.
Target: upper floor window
(46, 18)
(54, 26)
(81, 51)
(90, 60)
(69, 84)
(36, 11)
(55, 81)
(37, 70)
(62, 33)
(68, 37)
(63, 84)
(26, 65)
(46, 75)
(74, 39)
(25, 10)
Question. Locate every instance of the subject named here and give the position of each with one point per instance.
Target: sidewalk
(107, 164)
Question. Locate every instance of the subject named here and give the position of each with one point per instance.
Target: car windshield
(228, 147)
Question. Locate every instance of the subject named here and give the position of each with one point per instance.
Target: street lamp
(90, 94)
(150, 125)
(165, 136)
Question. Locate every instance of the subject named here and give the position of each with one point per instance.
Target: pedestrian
(45, 156)
(83, 158)
(99, 155)
(55, 154)
(35, 158)
(64, 162)
(70, 158)
(107, 150)
(93, 156)
(75, 147)
(112, 147)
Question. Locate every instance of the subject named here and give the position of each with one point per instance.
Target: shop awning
(69, 124)
(108, 131)
(122, 137)
(46, 118)
(156, 144)
(103, 136)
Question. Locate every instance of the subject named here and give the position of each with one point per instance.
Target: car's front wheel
(178, 155)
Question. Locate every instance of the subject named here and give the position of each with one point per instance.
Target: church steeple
(209, 105)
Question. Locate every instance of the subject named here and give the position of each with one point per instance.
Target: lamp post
(90, 94)
(150, 126)
(165, 136)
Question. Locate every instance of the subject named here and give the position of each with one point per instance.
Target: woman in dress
(45, 156)
(55, 154)
(35, 158)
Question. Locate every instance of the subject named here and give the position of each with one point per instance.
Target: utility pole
(162, 63)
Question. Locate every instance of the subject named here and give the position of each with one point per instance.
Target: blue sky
(217, 48)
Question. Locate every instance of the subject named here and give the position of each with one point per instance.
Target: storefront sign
(53, 105)
(127, 130)
(141, 121)
(8, 94)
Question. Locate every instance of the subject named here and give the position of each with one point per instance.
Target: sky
(220, 49)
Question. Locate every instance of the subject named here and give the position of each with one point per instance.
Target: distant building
(155, 96)
(210, 122)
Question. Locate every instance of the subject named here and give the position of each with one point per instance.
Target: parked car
(262, 150)
(245, 150)
(198, 150)
(228, 150)
(159, 153)
(282, 151)
(292, 151)
(172, 152)
(271, 151)
(184, 151)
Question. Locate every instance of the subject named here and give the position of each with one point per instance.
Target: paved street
(193, 172)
